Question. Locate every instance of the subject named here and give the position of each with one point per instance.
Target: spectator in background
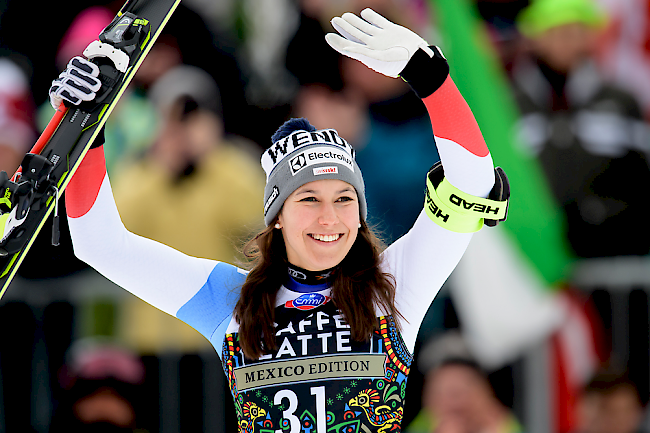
(457, 396)
(17, 133)
(102, 384)
(192, 178)
(84, 29)
(610, 403)
(587, 134)
(195, 179)
(499, 19)
(625, 49)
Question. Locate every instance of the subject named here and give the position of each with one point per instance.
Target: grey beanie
(306, 156)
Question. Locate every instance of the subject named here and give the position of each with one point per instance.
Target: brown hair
(359, 285)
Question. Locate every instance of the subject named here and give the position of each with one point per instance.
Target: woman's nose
(328, 215)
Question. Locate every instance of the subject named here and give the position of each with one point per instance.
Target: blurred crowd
(183, 148)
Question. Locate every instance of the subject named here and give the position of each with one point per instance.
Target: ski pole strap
(458, 211)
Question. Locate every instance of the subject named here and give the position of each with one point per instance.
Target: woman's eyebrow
(312, 191)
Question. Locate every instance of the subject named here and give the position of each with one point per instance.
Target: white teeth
(326, 238)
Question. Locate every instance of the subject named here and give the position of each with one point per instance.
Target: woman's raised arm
(160, 275)
(455, 201)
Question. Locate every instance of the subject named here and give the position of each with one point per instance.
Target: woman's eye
(345, 198)
(309, 199)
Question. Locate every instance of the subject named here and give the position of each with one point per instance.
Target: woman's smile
(326, 238)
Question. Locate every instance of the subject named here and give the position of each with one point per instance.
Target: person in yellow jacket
(194, 190)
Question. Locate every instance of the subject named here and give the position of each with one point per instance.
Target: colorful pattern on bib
(320, 377)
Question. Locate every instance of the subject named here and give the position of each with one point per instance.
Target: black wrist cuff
(99, 140)
(500, 192)
(426, 74)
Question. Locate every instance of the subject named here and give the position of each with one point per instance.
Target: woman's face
(565, 47)
(320, 222)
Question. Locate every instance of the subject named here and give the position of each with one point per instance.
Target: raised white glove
(375, 41)
(77, 83)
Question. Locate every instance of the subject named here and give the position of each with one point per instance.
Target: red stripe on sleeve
(451, 118)
(82, 191)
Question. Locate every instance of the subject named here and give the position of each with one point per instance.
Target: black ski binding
(30, 191)
(126, 32)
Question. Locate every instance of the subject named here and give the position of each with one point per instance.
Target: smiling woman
(319, 334)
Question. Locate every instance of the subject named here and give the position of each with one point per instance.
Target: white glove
(77, 83)
(376, 42)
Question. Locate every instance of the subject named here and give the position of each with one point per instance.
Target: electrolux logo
(320, 155)
(297, 163)
(336, 156)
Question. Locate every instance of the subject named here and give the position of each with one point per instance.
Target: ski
(29, 197)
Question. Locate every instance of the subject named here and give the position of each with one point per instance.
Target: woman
(320, 332)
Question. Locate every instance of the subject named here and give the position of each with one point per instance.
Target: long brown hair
(359, 285)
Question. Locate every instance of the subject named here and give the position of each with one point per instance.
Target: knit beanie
(302, 154)
(542, 15)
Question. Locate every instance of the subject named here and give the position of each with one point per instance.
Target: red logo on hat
(325, 170)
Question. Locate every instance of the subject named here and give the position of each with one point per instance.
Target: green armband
(460, 212)
(446, 217)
